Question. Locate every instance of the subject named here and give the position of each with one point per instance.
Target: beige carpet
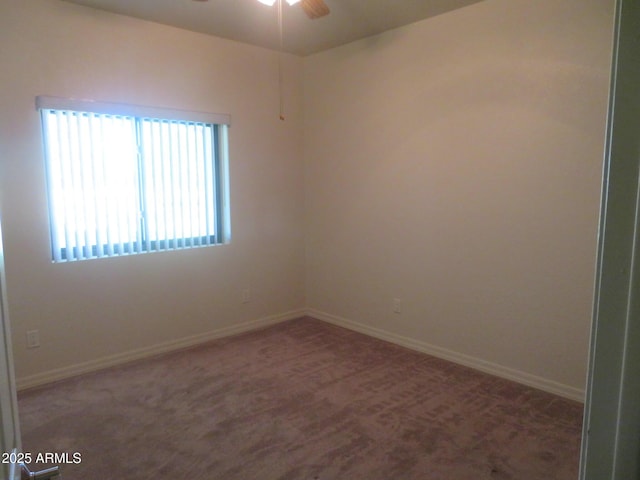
(302, 400)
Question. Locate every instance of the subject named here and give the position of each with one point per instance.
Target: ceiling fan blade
(314, 8)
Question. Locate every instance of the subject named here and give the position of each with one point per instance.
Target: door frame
(611, 432)
(10, 441)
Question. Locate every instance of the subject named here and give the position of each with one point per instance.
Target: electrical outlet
(33, 339)
(397, 305)
(246, 295)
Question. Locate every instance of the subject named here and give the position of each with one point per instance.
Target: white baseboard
(173, 345)
(524, 378)
(185, 342)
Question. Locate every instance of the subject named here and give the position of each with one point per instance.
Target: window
(125, 179)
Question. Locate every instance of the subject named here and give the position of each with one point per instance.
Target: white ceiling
(252, 22)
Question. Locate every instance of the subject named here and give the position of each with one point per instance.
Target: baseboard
(173, 345)
(524, 378)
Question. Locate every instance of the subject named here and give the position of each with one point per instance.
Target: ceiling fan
(313, 8)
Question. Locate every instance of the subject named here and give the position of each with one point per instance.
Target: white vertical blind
(179, 184)
(121, 184)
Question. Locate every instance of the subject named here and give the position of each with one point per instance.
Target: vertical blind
(121, 183)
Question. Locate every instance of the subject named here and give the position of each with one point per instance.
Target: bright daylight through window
(124, 179)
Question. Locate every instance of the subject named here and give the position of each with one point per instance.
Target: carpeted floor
(302, 400)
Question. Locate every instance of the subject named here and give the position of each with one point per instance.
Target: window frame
(219, 124)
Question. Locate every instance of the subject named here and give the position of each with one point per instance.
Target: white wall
(456, 164)
(95, 309)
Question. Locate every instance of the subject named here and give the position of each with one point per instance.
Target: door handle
(45, 474)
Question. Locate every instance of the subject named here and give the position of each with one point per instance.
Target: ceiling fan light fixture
(313, 8)
(271, 2)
